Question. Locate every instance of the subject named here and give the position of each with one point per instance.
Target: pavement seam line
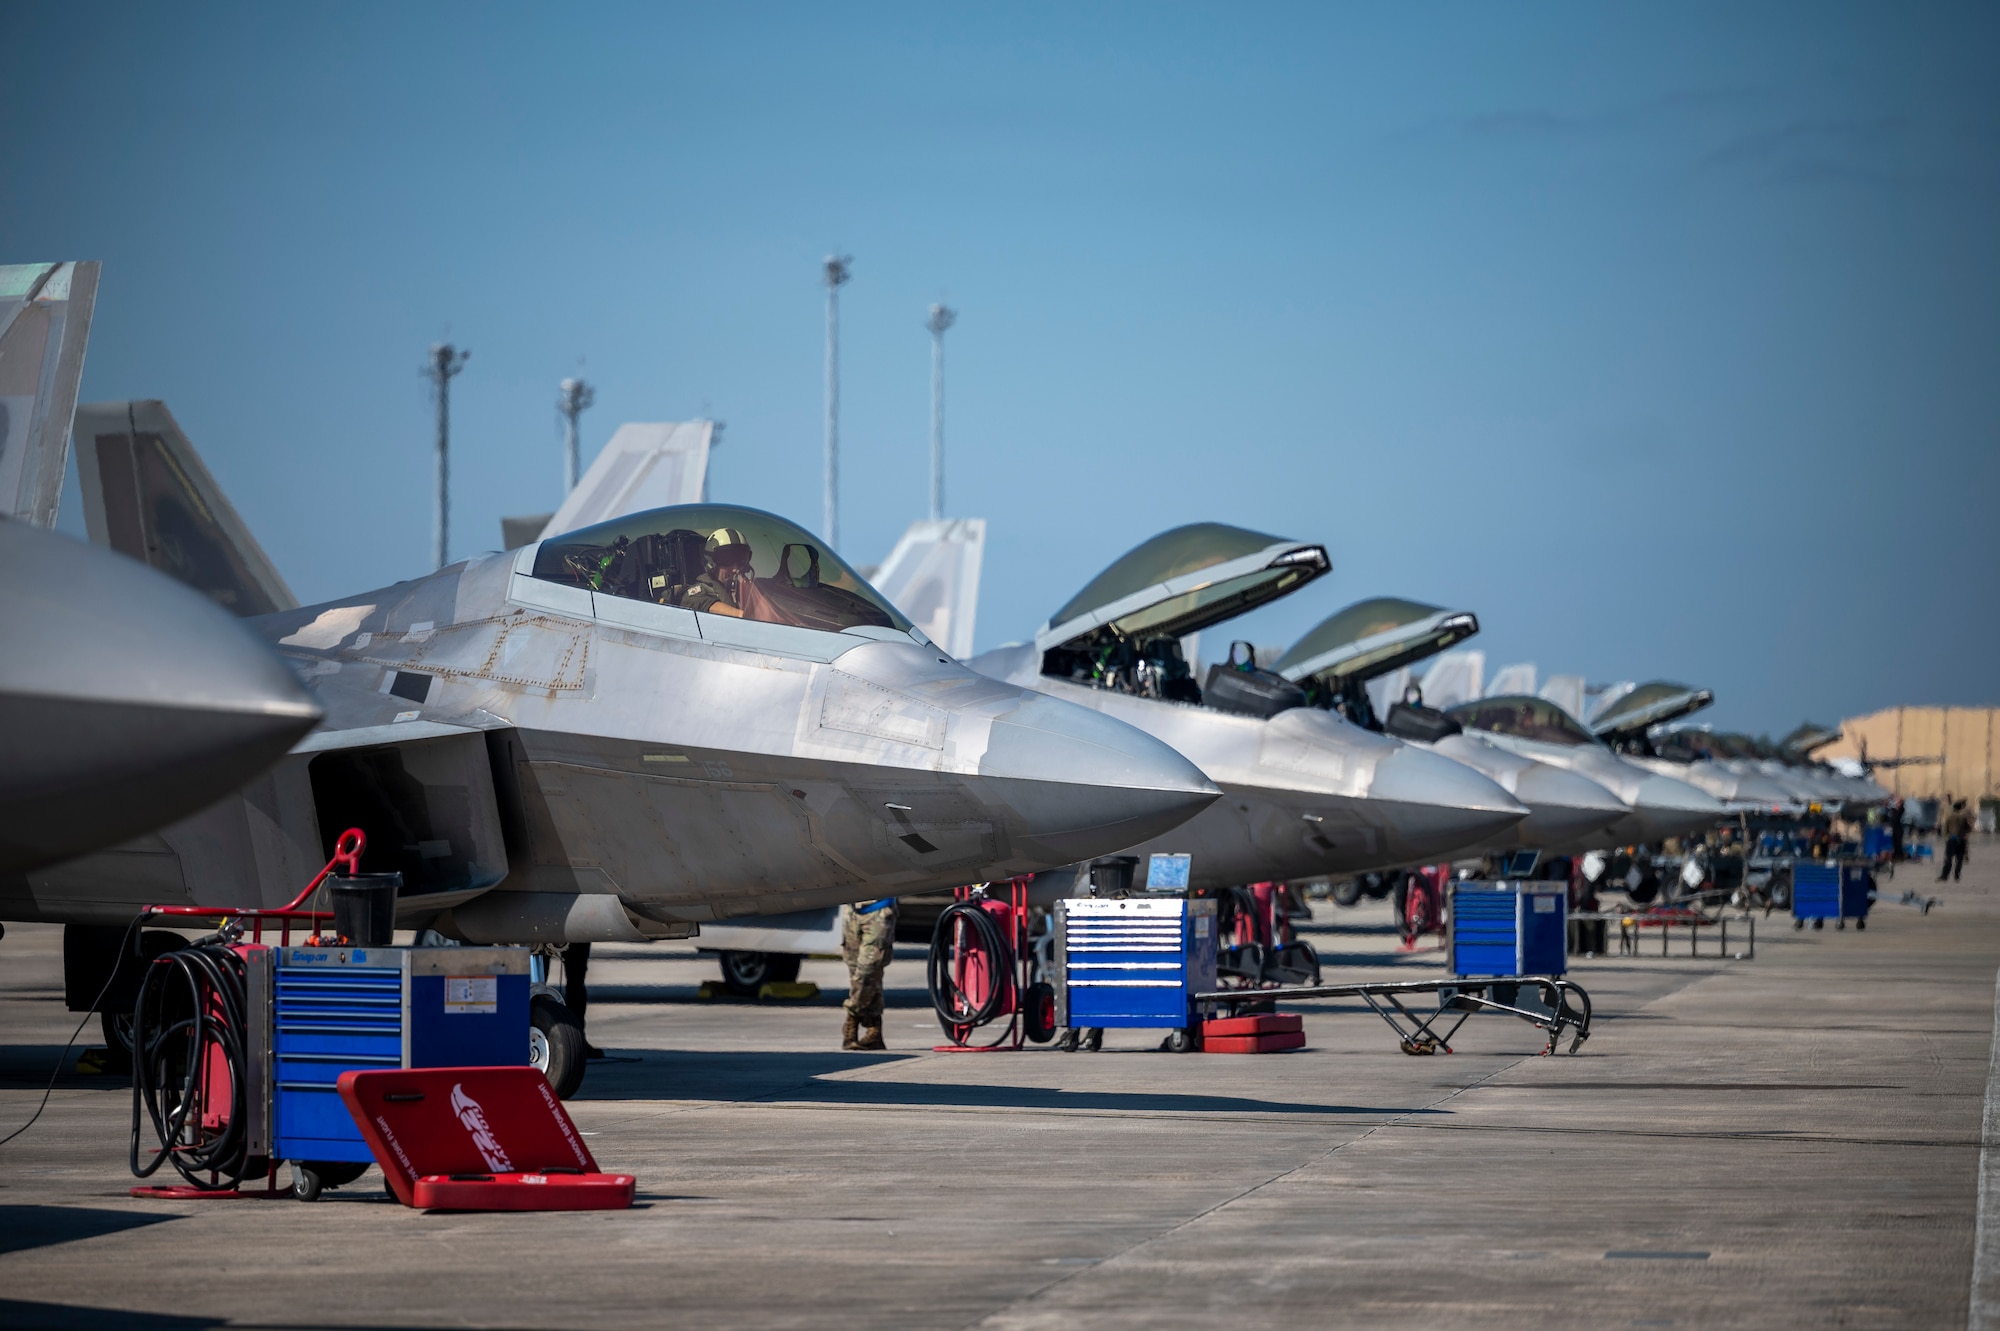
(1251, 1191)
(1983, 1308)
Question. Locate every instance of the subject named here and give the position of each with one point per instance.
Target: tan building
(1955, 746)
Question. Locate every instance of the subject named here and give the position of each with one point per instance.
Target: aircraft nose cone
(1434, 806)
(1667, 807)
(127, 701)
(1562, 805)
(1762, 791)
(1084, 784)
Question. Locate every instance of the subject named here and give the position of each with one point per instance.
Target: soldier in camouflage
(867, 940)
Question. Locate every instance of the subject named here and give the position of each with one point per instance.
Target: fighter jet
(126, 701)
(1627, 721)
(1659, 805)
(614, 734)
(1306, 793)
(1337, 660)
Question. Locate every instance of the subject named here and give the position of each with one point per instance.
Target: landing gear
(744, 973)
(555, 1044)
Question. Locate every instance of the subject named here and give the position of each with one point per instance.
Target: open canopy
(1373, 637)
(1185, 580)
(721, 559)
(1649, 705)
(1524, 717)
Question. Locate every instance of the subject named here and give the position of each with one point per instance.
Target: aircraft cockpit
(1124, 630)
(1525, 718)
(722, 560)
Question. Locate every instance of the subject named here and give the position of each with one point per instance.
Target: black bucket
(1112, 875)
(364, 908)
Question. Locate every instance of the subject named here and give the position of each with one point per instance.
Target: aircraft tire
(1347, 892)
(744, 973)
(555, 1043)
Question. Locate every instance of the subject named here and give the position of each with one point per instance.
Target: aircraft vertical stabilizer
(44, 329)
(1566, 692)
(147, 494)
(1512, 681)
(933, 577)
(647, 464)
(1453, 678)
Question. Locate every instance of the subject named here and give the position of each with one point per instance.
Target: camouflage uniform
(866, 941)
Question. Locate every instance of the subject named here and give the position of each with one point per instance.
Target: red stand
(478, 1139)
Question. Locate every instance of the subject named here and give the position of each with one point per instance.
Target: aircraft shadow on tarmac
(29, 1065)
(801, 1078)
(24, 1226)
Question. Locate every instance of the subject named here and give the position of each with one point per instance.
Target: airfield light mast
(942, 317)
(443, 364)
(576, 398)
(836, 275)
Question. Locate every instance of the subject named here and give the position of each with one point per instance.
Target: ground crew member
(726, 558)
(1957, 828)
(867, 941)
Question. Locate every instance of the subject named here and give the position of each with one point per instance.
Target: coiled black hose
(189, 1002)
(954, 1006)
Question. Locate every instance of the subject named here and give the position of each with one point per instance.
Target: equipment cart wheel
(1093, 1040)
(1066, 1042)
(1038, 1010)
(744, 973)
(1840, 923)
(1180, 1040)
(309, 1177)
(1798, 924)
(555, 1044)
(1861, 923)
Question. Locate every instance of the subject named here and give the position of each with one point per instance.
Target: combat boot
(847, 1040)
(871, 1038)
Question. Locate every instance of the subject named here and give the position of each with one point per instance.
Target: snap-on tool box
(1132, 961)
(342, 1009)
(1508, 928)
(1831, 890)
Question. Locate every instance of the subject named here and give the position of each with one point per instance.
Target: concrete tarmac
(1785, 1141)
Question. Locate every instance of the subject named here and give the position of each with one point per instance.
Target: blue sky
(1664, 338)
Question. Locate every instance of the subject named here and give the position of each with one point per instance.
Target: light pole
(942, 317)
(835, 276)
(443, 364)
(576, 397)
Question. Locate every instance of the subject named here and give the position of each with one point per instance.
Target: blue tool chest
(1512, 928)
(1132, 961)
(337, 1009)
(1830, 890)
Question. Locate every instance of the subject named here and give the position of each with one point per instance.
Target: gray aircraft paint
(613, 769)
(126, 702)
(1305, 793)
(1374, 637)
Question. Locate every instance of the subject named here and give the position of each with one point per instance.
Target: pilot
(725, 559)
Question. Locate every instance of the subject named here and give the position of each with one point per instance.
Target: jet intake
(555, 917)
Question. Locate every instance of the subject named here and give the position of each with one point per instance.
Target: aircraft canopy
(1649, 705)
(1524, 717)
(1184, 580)
(663, 555)
(1374, 637)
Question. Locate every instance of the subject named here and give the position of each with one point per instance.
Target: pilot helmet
(725, 546)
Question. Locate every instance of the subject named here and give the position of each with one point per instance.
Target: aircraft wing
(44, 327)
(147, 494)
(933, 577)
(647, 464)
